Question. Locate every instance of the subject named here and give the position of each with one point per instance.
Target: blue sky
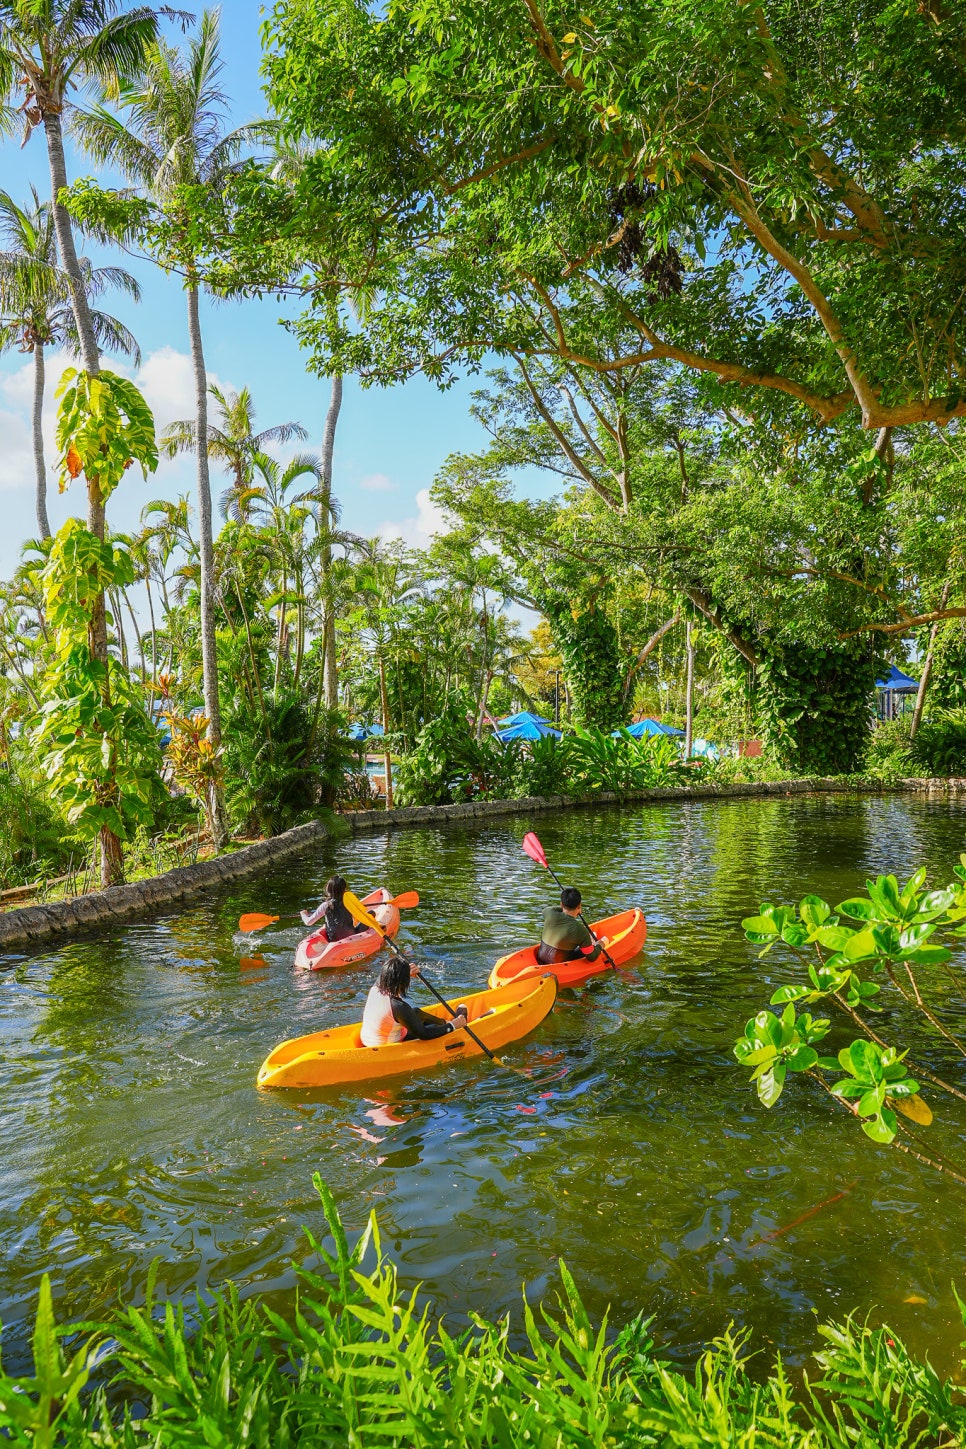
(390, 442)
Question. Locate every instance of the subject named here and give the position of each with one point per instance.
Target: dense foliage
(362, 1362)
(707, 333)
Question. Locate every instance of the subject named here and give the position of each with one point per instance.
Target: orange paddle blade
(406, 901)
(255, 922)
(252, 963)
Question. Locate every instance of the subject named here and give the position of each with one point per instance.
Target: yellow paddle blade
(255, 922)
(913, 1107)
(359, 913)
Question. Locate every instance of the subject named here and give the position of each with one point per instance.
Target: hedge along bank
(35, 925)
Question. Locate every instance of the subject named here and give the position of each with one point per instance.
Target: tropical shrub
(284, 760)
(888, 755)
(356, 792)
(447, 764)
(360, 1362)
(940, 744)
(597, 760)
(35, 840)
(891, 941)
(542, 769)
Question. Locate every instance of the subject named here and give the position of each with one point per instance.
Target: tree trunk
(689, 697)
(112, 860)
(40, 467)
(331, 663)
(217, 822)
(385, 726)
(90, 356)
(927, 668)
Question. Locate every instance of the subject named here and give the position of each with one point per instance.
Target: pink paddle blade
(533, 848)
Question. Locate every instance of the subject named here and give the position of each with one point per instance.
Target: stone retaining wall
(32, 925)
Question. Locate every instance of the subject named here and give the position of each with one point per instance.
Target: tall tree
(173, 137)
(774, 206)
(48, 50)
(36, 311)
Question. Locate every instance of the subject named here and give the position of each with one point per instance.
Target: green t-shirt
(566, 933)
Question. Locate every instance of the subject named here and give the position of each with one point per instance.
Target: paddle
(255, 921)
(533, 848)
(364, 918)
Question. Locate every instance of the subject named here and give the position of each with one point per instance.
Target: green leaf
(770, 1086)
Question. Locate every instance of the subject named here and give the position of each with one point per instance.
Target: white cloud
(378, 483)
(418, 530)
(16, 464)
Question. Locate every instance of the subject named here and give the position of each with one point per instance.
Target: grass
(359, 1362)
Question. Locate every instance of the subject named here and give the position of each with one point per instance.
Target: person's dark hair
(336, 888)
(394, 977)
(570, 898)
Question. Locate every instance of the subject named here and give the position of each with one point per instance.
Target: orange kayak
(624, 935)
(317, 953)
(336, 1057)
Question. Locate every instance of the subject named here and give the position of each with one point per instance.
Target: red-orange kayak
(623, 934)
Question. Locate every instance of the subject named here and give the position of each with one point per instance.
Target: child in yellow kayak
(389, 1017)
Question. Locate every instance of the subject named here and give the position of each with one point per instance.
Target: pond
(636, 1149)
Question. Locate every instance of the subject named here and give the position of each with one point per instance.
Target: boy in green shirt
(565, 937)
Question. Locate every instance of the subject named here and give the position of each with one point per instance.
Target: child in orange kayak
(338, 920)
(565, 937)
(389, 1017)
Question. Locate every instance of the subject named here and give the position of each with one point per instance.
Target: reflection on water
(634, 1148)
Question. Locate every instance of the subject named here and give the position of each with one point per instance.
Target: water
(636, 1149)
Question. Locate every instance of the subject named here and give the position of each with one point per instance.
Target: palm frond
(106, 139)
(281, 433)
(178, 437)
(112, 336)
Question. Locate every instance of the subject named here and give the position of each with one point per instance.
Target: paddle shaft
(580, 916)
(441, 999)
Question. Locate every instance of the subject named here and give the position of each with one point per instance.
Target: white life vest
(379, 1026)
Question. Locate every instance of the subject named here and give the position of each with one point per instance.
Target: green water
(132, 1128)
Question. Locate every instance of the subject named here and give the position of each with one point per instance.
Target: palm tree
(36, 312)
(233, 443)
(49, 49)
(174, 136)
(284, 521)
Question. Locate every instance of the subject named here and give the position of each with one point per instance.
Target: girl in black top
(338, 919)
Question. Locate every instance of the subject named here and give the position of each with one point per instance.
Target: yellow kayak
(330, 1058)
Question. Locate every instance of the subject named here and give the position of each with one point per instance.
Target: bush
(356, 792)
(282, 764)
(362, 1364)
(35, 840)
(940, 744)
(888, 756)
(447, 765)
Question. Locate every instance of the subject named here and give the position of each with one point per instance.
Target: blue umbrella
(530, 729)
(523, 716)
(898, 682)
(650, 727)
(361, 732)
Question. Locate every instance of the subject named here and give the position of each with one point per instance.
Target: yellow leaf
(569, 39)
(913, 1107)
(914, 1298)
